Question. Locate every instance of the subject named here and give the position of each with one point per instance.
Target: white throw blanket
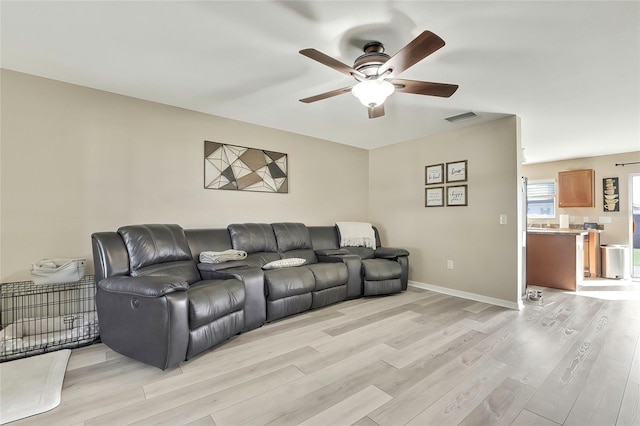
(222, 256)
(356, 234)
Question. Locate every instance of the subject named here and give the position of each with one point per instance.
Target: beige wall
(76, 160)
(485, 253)
(619, 230)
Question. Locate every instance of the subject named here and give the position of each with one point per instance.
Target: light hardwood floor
(414, 358)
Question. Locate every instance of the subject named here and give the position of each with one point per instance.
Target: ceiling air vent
(464, 116)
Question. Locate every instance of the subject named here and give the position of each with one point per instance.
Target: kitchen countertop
(566, 231)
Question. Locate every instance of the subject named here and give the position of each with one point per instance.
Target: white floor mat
(31, 385)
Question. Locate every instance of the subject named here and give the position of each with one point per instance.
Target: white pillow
(284, 263)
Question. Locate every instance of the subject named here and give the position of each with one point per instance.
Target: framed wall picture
(611, 194)
(434, 197)
(457, 195)
(457, 171)
(434, 174)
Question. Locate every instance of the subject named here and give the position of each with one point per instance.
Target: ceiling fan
(376, 73)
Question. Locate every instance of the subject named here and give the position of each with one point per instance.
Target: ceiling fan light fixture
(377, 72)
(372, 93)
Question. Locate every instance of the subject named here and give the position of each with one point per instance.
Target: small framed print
(457, 195)
(434, 197)
(457, 171)
(434, 174)
(611, 201)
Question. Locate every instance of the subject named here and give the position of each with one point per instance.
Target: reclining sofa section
(159, 305)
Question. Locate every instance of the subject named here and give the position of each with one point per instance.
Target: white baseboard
(467, 295)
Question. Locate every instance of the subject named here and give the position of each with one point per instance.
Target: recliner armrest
(390, 253)
(144, 286)
(215, 267)
(332, 255)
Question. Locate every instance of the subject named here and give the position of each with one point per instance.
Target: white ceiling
(569, 69)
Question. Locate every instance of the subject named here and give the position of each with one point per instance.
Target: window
(541, 198)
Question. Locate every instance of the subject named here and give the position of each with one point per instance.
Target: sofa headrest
(292, 236)
(324, 237)
(253, 237)
(213, 239)
(153, 244)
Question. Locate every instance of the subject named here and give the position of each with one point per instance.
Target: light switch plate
(503, 219)
(585, 219)
(604, 219)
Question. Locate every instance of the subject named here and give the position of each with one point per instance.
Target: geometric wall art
(238, 168)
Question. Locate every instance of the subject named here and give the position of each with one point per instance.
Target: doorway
(635, 225)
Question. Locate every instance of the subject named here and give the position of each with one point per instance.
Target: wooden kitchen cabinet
(576, 188)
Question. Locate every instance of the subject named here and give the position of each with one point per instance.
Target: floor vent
(464, 116)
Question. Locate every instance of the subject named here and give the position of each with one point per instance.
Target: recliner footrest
(214, 299)
(381, 269)
(374, 288)
(287, 306)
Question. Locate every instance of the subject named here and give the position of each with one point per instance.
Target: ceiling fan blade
(330, 62)
(421, 47)
(424, 88)
(326, 95)
(375, 112)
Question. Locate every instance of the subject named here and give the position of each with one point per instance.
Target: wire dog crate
(42, 318)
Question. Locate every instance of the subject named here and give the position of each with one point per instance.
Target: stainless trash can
(614, 261)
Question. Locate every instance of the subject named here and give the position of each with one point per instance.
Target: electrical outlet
(449, 264)
(604, 219)
(585, 219)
